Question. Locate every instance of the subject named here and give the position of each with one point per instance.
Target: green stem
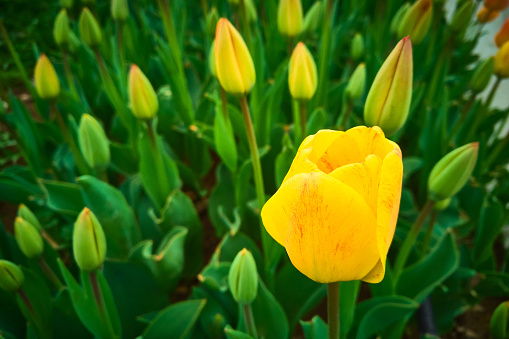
(321, 95)
(121, 54)
(303, 119)
(492, 92)
(485, 111)
(500, 145)
(333, 309)
(224, 103)
(410, 239)
(297, 126)
(68, 74)
(49, 273)
(99, 301)
(246, 26)
(249, 320)
(349, 107)
(462, 117)
(26, 301)
(429, 233)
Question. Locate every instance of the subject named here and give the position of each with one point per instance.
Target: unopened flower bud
(28, 238)
(243, 278)
(482, 75)
(357, 82)
(496, 5)
(302, 74)
(143, 98)
(289, 18)
(389, 97)
(25, 213)
(67, 4)
(502, 35)
(452, 172)
(416, 21)
(94, 143)
(357, 47)
(11, 276)
(485, 15)
(501, 67)
(396, 20)
(442, 204)
(61, 29)
(252, 15)
(119, 10)
(89, 242)
(234, 65)
(313, 17)
(462, 16)
(499, 323)
(89, 29)
(211, 19)
(46, 79)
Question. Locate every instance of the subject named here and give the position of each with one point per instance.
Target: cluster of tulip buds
(491, 10)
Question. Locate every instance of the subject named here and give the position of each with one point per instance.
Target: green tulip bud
(482, 75)
(289, 18)
(442, 204)
(499, 321)
(416, 21)
(46, 80)
(396, 20)
(143, 98)
(28, 238)
(462, 17)
(93, 143)
(252, 15)
(61, 29)
(89, 242)
(11, 276)
(313, 17)
(452, 172)
(211, 19)
(357, 47)
(25, 213)
(119, 10)
(89, 29)
(243, 278)
(66, 4)
(212, 59)
(389, 97)
(355, 87)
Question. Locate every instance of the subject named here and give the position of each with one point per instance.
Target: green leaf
(122, 159)
(316, 328)
(215, 276)
(224, 138)
(410, 165)
(348, 294)
(284, 159)
(491, 222)
(18, 185)
(316, 121)
(62, 197)
(233, 334)
(177, 319)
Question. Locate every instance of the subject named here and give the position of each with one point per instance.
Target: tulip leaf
(18, 184)
(222, 197)
(232, 244)
(316, 121)
(62, 197)
(215, 276)
(122, 159)
(490, 223)
(284, 159)
(348, 294)
(214, 316)
(177, 319)
(224, 138)
(316, 328)
(234, 334)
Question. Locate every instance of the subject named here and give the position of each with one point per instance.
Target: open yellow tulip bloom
(336, 210)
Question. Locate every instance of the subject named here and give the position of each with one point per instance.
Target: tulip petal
(301, 164)
(329, 232)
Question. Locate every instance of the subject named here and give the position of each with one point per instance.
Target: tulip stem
(333, 309)
(68, 74)
(462, 117)
(50, 273)
(249, 320)
(26, 301)
(410, 239)
(99, 301)
(224, 103)
(303, 119)
(429, 233)
(50, 240)
(324, 61)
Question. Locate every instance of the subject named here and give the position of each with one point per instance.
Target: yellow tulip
(289, 17)
(46, 79)
(302, 75)
(234, 66)
(485, 15)
(336, 210)
(502, 35)
(502, 61)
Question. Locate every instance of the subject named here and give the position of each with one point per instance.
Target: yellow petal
(301, 164)
(343, 150)
(329, 232)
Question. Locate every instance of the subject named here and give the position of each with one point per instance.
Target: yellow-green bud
(25, 213)
(289, 18)
(252, 15)
(90, 31)
(501, 67)
(482, 75)
(499, 322)
(243, 278)
(94, 143)
(442, 204)
(357, 47)
(357, 82)
(211, 19)
(396, 20)
(66, 4)
(389, 97)
(11, 276)
(46, 79)
(313, 17)
(61, 29)
(119, 10)
(416, 21)
(302, 74)
(212, 59)
(28, 238)
(452, 172)
(462, 16)
(142, 97)
(88, 241)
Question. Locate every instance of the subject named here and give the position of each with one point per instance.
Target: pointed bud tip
(244, 251)
(475, 145)
(19, 219)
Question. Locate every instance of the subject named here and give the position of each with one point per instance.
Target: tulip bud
(93, 143)
(482, 75)
(462, 16)
(289, 18)
(313, 17)
(355, 87)
(416, 21)
(212, 59)
(234, 66)
(499, 324)
(501, 67)
(67, 4)
(28, 238)
(502, 35)
(451, 173)
(211, 19)
(396, 20)
(119, 10)
(302, 74)
(11, 276)
(243, 278)
(496, 5)
(143, 98)
(89, 242)
(357, 47)
(442, 204)
(61, 29)
(89, 29)
(485, 15)
(252, 16)
(46, 79)
(389, 98)
(25, 213)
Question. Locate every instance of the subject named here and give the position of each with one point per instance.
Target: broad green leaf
(490, 225)
(62, 197)
(284, 159)
(234, 334)
(316, 328)
(348, 294)
(316, 121)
